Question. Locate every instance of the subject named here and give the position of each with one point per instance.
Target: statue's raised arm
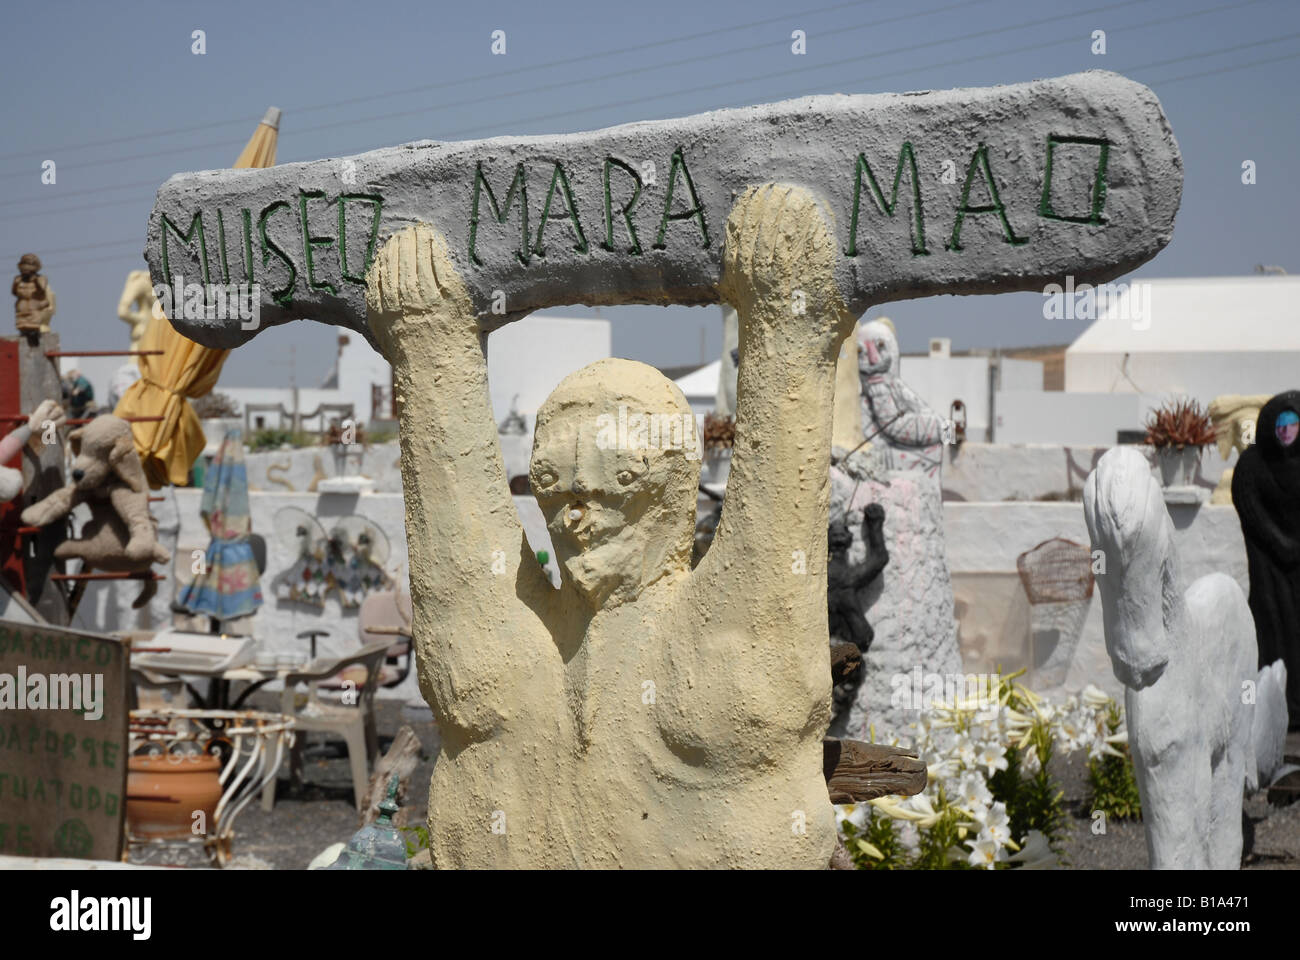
(778, 272)
(465, 540)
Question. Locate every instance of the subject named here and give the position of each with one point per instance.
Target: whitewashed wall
(940, 380)
(995, 472)
(106, 605)
(985, 535)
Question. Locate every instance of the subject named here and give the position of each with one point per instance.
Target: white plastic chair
(353, 722)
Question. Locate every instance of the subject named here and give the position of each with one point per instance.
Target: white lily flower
(985, 853)
(995, 816)
(992, 758)
(909, 835)
(1035, 854)
(1029, 764)
(966, 752)
(854, 813)
(1094, 697)
(973, 793)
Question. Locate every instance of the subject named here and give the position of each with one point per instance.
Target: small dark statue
(850, 633)
(1266, 493)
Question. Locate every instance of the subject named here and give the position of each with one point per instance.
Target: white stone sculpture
(908, 434)
(910, 606)
(1186, 660)
(1269, 731)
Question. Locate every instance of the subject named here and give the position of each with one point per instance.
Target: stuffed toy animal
(120, 535)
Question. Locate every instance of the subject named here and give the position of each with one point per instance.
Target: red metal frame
(11, 543)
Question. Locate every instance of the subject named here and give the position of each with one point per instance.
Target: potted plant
(719, 437)
(1179, 430)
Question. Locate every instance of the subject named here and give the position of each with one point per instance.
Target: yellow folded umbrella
(184, 371)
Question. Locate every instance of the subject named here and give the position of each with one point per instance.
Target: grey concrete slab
(956, 191)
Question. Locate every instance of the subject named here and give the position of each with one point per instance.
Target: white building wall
(984, 540)
(530, 357)
(1073, 419)
(1202, 375)
(360, 367)
(940, 380)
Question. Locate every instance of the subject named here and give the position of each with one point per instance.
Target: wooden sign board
(63, 742)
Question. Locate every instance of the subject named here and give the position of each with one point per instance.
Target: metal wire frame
(257, 744)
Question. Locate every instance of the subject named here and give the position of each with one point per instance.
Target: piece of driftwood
(846, 661)
(402, 758)
(857, 772)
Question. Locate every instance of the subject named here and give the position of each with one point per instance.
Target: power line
(1240, 66)
(79, 208)
(61, 194)
(856, 79)
(1216, 53)
(117, 257)
(597, 79)
(442, 85)
(1037, 45)
(1190, 76)
(93, 246)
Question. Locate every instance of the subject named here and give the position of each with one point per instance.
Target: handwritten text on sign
(63, 715)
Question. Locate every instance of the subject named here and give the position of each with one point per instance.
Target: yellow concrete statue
(1233, 416)
(643, 714)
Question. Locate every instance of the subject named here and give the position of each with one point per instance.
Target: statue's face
(877, 349)
(606, 499)
(29, 265)
(1287, 427)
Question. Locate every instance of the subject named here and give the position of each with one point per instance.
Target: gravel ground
(1271, 834)
(306, 821)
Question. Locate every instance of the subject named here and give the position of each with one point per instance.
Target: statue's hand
(412, 282)
(778, 265)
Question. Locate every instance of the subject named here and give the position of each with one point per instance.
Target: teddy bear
(120, 535)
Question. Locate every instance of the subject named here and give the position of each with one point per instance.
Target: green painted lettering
(980, 161)
(626, 209)
(888, 208)
(377, 205)
(283, 296)
(571, 213)
(196, 222)
(697, 207)
(309, 241)
(1094, 217)
(248, 245)
(520, 185)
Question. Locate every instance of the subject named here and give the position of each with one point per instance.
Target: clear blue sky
(354, 76)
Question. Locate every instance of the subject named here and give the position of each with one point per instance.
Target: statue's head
(1278, 427)
(615, 469)
(28, 264)
(877, 348)
(1141, 595)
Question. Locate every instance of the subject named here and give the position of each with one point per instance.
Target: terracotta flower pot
(163, 792)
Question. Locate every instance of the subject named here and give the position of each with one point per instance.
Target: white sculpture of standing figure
(1184, 660)
(910, 606)
(908, 433)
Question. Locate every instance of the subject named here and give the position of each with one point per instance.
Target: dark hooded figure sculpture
(1266, 492)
